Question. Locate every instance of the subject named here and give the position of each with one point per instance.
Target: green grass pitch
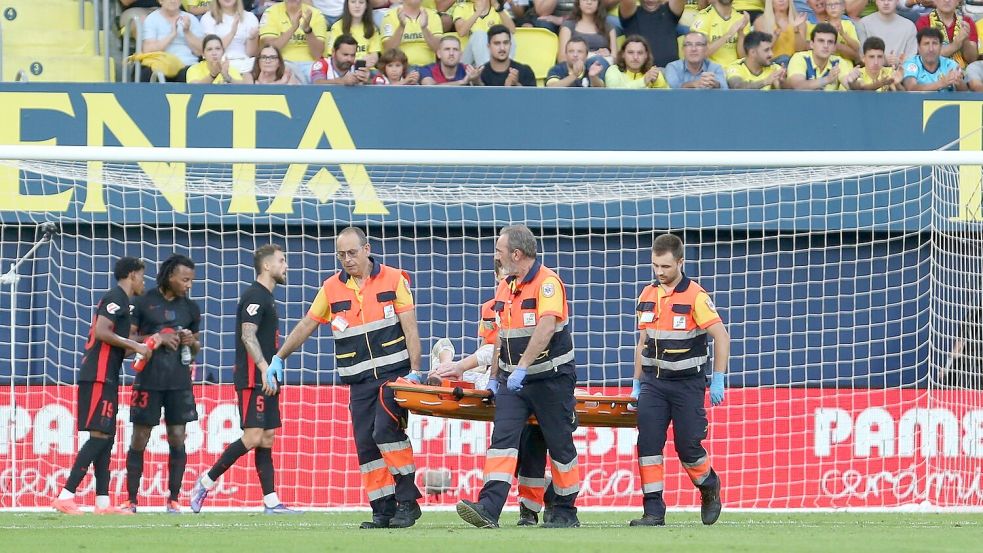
(444, 532)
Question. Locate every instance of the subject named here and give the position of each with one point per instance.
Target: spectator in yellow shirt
(634, 68)
(298, 31)
(214, 67)
(874, 75)
(414, 29)
(819, 68)
(757, 70)
(357, 22)
(725, 29)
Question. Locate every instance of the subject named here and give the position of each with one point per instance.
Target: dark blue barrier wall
(821, 281)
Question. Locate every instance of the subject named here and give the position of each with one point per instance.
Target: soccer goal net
(852, 294)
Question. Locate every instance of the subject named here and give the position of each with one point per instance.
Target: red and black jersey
(257, 306)
(152, 313)
(101, 361)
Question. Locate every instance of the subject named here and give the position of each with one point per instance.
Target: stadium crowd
(754, 44)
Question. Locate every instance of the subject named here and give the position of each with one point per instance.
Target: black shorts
(179, 407)
(258, 410)
(98, 403)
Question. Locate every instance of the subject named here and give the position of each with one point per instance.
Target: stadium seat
(418, 51)
(537, 49)
(57, 68)
(30, 42)
(44, 14)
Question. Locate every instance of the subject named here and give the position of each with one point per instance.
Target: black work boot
(527, 517)
(407, 513)
(710, 502)
(648, 520)
(475, 514)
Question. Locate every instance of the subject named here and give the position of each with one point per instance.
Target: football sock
(231, 454)
(101, 465)
(85, 457)
(176, 461)
(134, 471)
(264, 468)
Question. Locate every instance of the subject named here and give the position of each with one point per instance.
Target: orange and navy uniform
(674, 326)
(547, 393)
(520, 306)
(531, 471)
(369, 339)
(370, 351)
(488, 327)
(99, 374)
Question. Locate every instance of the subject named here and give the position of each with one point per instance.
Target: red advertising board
(773, 448)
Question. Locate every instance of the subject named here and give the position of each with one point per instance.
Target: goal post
(845, 279)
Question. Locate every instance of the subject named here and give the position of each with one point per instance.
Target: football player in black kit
(257, 340)
(168, 316)
(98, 385)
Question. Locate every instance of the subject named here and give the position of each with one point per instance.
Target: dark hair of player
(126, 266)
(168, 267)
(262, 254)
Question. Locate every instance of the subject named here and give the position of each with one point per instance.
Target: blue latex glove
(492, 386)
(415, 377)
(636, 389)
(516, 378)
(274, 374)
(717, 388)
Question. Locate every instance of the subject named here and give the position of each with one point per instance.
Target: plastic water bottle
(138, 360)
(186, 357)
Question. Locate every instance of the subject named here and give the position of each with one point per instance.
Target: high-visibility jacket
(519, 311)
(675, 326)
(369, 340)
(488, 327)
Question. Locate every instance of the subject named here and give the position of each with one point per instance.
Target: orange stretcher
(459, 400)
